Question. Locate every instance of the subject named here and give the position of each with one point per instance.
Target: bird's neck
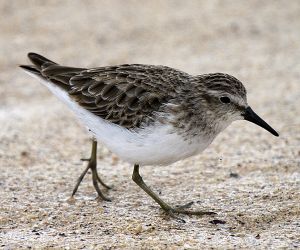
(191, 115)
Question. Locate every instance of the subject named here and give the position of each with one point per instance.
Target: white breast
(155, 145)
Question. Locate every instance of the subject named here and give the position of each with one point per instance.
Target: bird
(147, 114)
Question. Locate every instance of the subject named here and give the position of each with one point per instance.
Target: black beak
(251, 116)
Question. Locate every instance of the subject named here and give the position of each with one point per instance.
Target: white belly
(155, 145)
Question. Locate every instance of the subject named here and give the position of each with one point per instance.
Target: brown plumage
(131, 94)
(127, 95)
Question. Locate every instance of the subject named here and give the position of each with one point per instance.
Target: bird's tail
(47, 70)
(39, 63)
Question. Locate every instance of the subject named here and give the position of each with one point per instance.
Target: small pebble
(233, 175)
(215, 222)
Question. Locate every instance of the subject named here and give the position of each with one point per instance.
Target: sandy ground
(250, 178)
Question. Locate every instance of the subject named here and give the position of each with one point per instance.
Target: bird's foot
(96, 186)
(92, 165)
(183, 209)
(96, 173)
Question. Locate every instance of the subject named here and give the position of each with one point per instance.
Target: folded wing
(127, 95)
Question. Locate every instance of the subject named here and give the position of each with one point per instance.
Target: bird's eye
(225, 99)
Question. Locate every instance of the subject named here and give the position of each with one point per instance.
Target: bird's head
(226, 100)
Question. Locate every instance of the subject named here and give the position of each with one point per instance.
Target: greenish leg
(80, 180)
(100, 180)
(167, 208)
(92, 164)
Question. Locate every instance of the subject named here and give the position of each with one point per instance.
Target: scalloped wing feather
(127, 95)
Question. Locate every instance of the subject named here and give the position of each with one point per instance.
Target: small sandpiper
(146, 114)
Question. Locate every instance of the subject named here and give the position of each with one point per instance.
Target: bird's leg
(167, 208)
(80, 180)
(92, 164)
(100, 180)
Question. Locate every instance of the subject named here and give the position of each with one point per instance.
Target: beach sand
(249, 177)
